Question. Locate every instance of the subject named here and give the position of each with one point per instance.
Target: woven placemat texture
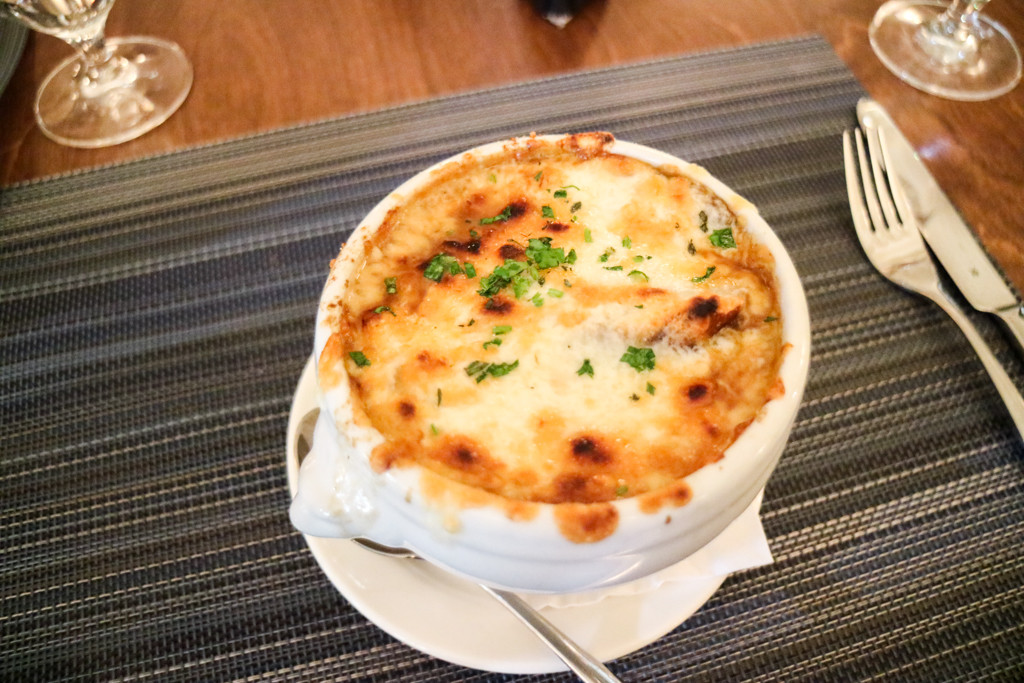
(155, 317)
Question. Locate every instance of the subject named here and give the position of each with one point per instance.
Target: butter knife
(946, 233)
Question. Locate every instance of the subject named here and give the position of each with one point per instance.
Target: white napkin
(742, 545)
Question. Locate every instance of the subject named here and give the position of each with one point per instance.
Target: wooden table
(274, 63)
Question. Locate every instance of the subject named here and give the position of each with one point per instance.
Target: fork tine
(880, 172)
(899, 195)
(870, 193)
(854, 192)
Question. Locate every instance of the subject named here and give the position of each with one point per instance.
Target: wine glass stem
(953, 38)
(963, 11)
(101, 71)
(93, 51)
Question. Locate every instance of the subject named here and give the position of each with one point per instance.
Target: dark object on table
(12, 42)
(558, 12)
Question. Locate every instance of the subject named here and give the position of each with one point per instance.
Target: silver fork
(890, 238)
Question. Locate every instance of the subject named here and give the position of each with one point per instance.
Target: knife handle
(1004, 385)
(1014, 319)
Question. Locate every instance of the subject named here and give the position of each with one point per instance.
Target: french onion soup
(556, 324)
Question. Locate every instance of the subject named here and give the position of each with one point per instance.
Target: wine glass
(112, 90)
(946, 50)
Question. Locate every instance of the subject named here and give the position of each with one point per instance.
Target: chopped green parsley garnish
(500, 369)
(561, 193)
(556, 293)
(547, 211)
(498, 331)
(638, 258)
(441, 264)
(723, 238)
(576, 207)
(639, 359)
(621, 490)
(770, 319)
(505, 214)
(477, 367)
(480, 370)
(537, 300)
(474, 234)
(540, 174)
(705, 276)
(391, 285)
(587, 237)
(603, 258)
(544, 256)
(627, 242)
(586, 368)
(383, 309)
(359, 358)
(500, 277)
(439, 396)
(540, 255)
(493, 178)
(469, 269)
(690, 249)
(434, 430)
(613, 267)
(650, 389)
(639, 276)
(703, 221)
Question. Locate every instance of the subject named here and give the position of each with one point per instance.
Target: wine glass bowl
(110, 91)
(946, 49)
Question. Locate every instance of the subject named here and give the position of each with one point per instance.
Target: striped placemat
(155, 317)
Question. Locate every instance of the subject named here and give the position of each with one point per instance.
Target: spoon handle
(584, 664)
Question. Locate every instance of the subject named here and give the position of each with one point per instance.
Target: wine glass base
(148, 80)
(895, 36)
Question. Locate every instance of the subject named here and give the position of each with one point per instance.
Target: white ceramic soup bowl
(339, 495)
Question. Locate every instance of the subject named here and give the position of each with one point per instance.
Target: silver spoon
(582, 663)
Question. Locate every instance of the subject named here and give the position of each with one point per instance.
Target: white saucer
(452, 619)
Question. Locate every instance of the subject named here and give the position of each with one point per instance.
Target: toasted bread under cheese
(559, 324)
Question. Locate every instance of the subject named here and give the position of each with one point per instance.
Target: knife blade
(946, 233)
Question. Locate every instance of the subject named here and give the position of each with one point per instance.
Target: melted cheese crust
(570, 421)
